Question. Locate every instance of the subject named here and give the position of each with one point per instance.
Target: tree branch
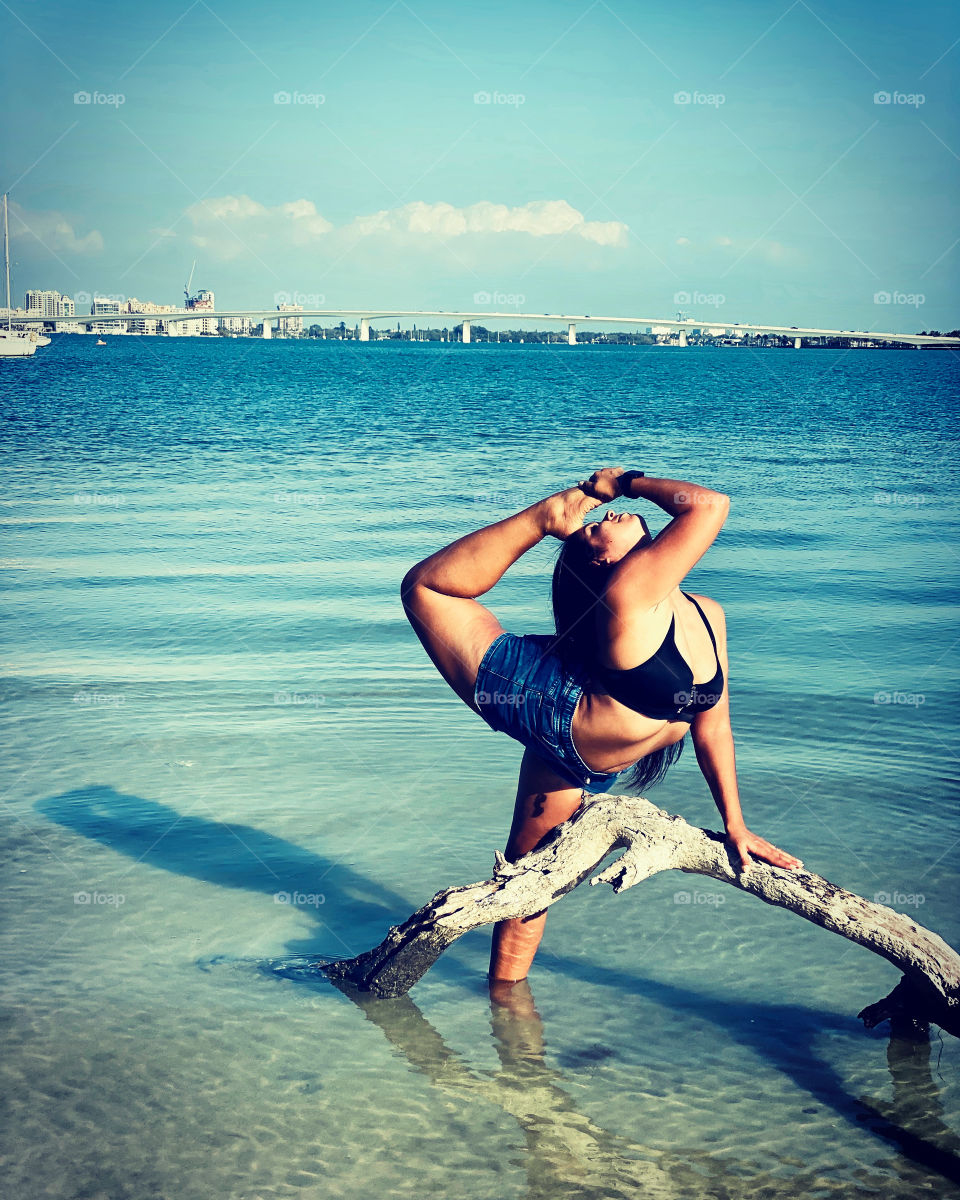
(652, 841)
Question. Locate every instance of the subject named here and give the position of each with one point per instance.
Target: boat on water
(16, 343)
(100, 342)
(19, 343)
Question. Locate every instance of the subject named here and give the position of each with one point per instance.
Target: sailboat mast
(6, 255)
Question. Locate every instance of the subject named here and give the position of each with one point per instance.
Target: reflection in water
(567, 1153)
(914, 1118)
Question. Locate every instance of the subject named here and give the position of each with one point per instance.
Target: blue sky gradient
(782, 191)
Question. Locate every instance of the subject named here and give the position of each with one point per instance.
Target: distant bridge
(364, 316)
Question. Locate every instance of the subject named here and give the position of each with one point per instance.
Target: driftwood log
(653, 840)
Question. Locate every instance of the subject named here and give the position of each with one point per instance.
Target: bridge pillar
(364, 329)
(682, 340)
(797, 342)
(267, 329)
(465, 337)
(571, 334)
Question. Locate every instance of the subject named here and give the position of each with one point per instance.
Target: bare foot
(564, 511)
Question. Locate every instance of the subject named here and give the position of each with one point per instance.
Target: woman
(635, 662)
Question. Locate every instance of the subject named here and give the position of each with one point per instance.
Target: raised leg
(544, 800)
(439, 592)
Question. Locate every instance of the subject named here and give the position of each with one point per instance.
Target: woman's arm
(713, 743)
(655, 567)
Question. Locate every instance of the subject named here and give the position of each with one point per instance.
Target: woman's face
(613, 536)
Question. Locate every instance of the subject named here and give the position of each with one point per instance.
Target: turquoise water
(213, 702)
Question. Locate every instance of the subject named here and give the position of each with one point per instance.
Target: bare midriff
(611, 737)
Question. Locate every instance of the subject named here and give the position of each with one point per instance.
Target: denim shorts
(524, 690)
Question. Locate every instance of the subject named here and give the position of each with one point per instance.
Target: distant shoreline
(521, 338)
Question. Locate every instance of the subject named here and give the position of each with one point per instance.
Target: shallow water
(213, 702)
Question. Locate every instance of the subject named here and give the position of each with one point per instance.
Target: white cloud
(53, 230)
(228, 225)
(225, 225)
(539, 218)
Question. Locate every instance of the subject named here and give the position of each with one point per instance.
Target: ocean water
(225, 746)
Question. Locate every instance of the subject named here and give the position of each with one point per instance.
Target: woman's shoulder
(712, 609)
(706, 602)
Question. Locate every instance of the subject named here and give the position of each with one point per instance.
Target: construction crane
(186, 290)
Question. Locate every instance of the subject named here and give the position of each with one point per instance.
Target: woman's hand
(603, 484)
(746, 843)
(564, 511)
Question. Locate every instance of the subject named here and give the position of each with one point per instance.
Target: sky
(760, 162)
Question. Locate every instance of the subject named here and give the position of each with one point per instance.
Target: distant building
(49, 304)
(237, 325)
(103, 306)
(290, 326)
(148, 325)
(202, 301)
(12, 315)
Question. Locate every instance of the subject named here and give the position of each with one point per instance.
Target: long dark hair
(578, 587)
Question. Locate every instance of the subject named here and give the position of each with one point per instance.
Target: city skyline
(782, 163)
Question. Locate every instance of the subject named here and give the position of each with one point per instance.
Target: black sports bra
(663, 687)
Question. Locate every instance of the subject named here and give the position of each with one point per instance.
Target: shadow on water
(231, 855)
(242, 856)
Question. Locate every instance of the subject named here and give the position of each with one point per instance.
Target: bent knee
(413, 590)
(409, 582)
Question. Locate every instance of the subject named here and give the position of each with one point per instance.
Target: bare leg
(544, 800)
(473, 563)
(439, 599)
(439, 592)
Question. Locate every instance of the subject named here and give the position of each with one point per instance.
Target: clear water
(213, 698)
